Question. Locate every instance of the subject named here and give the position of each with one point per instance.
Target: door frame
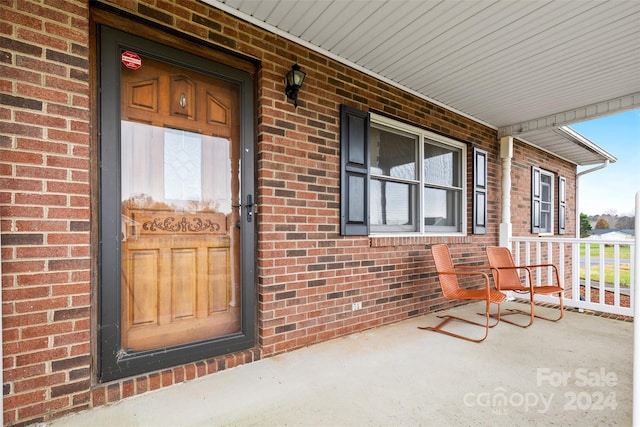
(114, 363)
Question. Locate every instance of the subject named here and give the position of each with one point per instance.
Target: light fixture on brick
(293, 80)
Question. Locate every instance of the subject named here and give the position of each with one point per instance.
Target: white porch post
(1, 337)
(636, 323)
(506, 153)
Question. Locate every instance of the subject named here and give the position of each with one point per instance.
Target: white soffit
(499, 62)
(568, 144)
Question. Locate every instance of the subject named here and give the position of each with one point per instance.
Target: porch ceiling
(504, 63)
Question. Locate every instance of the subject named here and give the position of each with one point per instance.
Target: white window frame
(550, 202)
(425, 136)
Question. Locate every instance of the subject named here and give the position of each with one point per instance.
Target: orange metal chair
(506, 276)
(448, 277)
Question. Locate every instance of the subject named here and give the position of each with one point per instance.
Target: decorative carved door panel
(180, 191)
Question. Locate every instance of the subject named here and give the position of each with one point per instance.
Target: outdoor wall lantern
(294, 79)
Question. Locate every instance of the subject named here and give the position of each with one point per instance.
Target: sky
(612, 190)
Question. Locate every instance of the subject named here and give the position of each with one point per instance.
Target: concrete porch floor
(576, 372)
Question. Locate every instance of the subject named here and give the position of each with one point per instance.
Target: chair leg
(511, 311)
(517, 311)
(561, 311)
(531, 314)
(448, 318)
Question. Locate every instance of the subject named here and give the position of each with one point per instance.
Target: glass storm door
(179, 183)
(182, 288)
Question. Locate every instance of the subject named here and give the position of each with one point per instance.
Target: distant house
(611, 234)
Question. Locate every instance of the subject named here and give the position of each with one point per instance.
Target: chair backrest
(444, 264)
(501, 257)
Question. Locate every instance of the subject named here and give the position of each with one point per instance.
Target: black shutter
(354, 172)
(479, 191)
(536, 190)
(562, 205)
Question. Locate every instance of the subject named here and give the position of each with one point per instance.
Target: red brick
(18, 400)
(40, 39)
(42, 146)
(167, 378)
(41, 279)
(70, 289)
(99, 396)
(41, 172)
(142, 385)
(41, 225)
(41, 252)
(22, 320)
(22, 267)
(69, 238)
(14, 294)
(16, 184)
(23, 346)
(70, 33)
(113, 393)
(20, 130)
(128, 388)
(47, 330)
(40, 119)
(155, 381)
(39, 382)
(190, 372)
(24, 372)
(40, 199)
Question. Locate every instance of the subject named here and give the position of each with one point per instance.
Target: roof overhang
(568, 145)
(503, 64)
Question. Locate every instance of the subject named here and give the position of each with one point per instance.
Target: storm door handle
(249, 206)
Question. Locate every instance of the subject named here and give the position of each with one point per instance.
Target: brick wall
(524, 157)
(45, 206)
(308, 275)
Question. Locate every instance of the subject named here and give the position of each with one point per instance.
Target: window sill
(380, 241)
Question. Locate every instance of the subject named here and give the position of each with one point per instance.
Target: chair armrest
(464, 273)
(555, 271)
(529, 267)
(468, 273)
(472, 273)
(473, 267)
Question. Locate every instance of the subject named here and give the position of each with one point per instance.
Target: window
(541, 201)
(397, 178)
(393, 185)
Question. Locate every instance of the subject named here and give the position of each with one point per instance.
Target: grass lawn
(594, 250)
(625, 274)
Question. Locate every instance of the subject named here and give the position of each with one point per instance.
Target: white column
(636, 324)
(506, 153)
(1, 337)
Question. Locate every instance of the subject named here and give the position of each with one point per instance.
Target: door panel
(177, 285)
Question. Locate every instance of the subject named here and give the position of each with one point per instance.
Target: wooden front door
(180, 190)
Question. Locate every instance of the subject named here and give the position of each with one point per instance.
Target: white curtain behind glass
(178, 168)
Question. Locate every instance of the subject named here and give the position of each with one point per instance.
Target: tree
(625, 223)
(585, 227)
(602, 224)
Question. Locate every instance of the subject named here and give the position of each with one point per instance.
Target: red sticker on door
(131, 60)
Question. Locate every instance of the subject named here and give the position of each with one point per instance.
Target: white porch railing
(604, 295)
